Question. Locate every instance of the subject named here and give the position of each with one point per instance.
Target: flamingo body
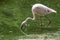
(41, 9)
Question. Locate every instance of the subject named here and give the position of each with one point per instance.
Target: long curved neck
(29, 18)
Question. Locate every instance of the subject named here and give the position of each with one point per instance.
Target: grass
(13, 12)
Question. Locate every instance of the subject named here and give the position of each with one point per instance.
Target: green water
(13, 12)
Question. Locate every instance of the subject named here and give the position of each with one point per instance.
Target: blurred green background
(13, 12)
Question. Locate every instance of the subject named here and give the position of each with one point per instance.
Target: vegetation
(13, 12)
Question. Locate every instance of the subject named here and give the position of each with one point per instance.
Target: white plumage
(41, 10)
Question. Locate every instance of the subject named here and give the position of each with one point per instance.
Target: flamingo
(41, 10)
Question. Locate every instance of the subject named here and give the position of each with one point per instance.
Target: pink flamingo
(41, 10)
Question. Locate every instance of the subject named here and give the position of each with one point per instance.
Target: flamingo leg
(49, 21)
(41, 21)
